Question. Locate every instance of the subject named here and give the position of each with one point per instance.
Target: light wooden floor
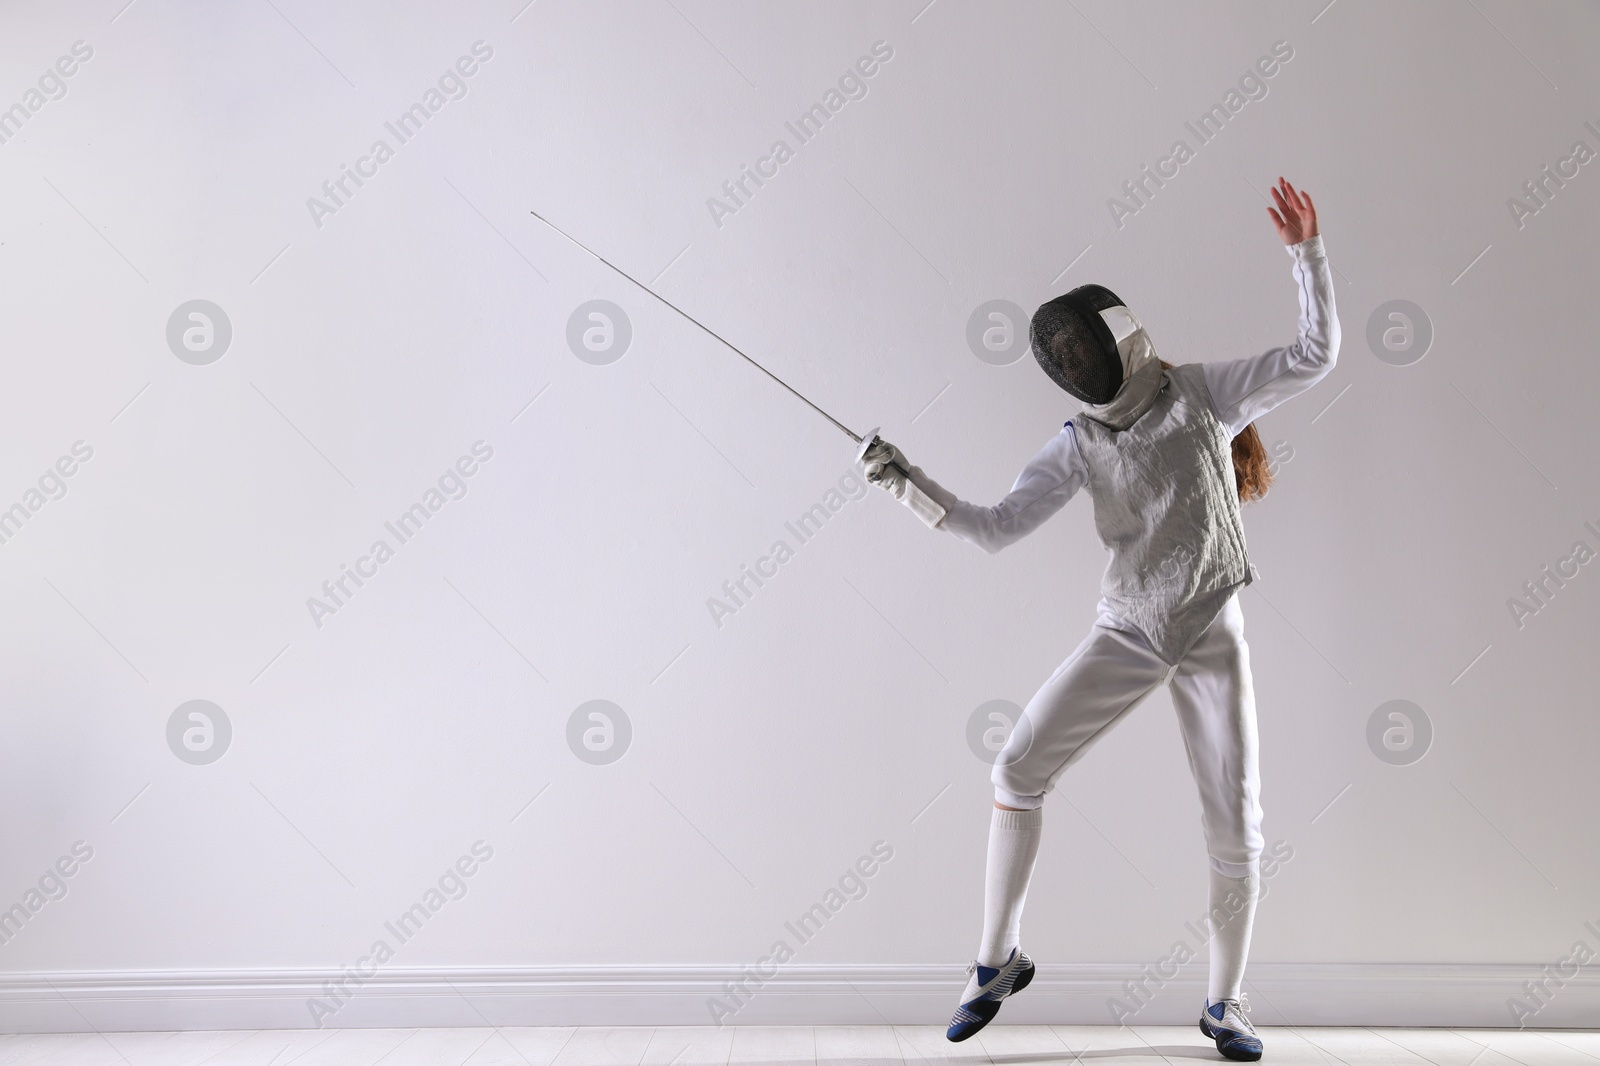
(1025, 1045)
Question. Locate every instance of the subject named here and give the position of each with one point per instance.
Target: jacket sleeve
(1045, 485)
(1242, 390)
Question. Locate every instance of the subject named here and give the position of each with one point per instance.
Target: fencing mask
(1090, 343)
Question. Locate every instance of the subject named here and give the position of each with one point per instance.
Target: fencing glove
(887, 467)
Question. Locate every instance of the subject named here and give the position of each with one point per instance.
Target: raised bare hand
(1296, 216)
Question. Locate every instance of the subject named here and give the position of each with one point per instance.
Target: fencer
(1168, 454)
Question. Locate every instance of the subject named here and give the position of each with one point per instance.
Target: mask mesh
(1073, 345)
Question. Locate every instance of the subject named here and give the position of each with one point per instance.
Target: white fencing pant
(1110, 674)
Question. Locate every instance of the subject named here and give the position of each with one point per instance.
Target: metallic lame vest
(1167, 509)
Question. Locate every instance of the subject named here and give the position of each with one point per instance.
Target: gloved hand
(887, 467)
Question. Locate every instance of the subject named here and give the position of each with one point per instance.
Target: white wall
(371, 351)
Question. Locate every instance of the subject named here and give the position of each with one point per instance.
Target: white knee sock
(1233, 912)
(1013, 845)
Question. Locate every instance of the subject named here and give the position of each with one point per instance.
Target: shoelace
(972, 968)
(1241, 1008)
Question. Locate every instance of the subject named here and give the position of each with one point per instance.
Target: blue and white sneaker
(1224, 1022)
(986, 987)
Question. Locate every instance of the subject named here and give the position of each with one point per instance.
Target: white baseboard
(1280, 993)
